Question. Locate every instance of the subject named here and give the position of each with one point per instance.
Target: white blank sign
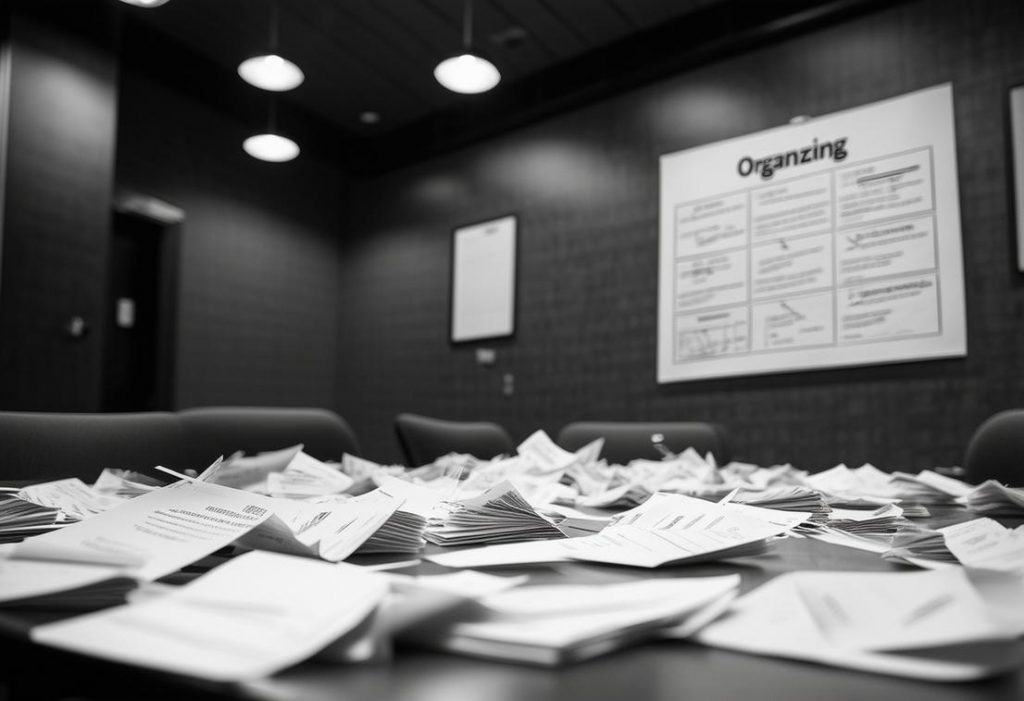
(483, 280)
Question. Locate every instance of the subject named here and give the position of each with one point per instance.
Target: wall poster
(483, 280)
(831, 242)
(1017, 139)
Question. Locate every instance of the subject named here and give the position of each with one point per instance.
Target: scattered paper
(247, 618)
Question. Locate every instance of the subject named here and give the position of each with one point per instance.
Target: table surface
(653, 671)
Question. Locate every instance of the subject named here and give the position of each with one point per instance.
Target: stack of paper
(20, 519)
(305, 476)
(986, 544)
(26, 584)
(922, 547)
(73, 497)
(154, 534)
(783, 498)
(560, 624)
(926, 625)
(330, 530)
(125, 483)
(883, 522)
(250, 472)
(865, 530)
(994, 499)
(499, 515)
(672, 528)
(245, 619)
(911, 488)
(402, 532)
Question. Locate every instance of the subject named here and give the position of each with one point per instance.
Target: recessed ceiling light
(271, 147)
(271, 72)
(369, 117)
(467, 74)
(145, 3)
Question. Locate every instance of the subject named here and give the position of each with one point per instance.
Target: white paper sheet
(773, 620)
(671, 528)
(157, 533)
(248, 618)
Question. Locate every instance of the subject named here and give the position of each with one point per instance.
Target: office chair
(629, 440)
(221, 430)
(424, 439)
(42, 446)
(996, 450)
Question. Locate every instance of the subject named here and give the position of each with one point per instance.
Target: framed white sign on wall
(483, 287)
(834, 241)
(1017, 132)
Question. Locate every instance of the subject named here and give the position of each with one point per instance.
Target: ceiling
(378, 56)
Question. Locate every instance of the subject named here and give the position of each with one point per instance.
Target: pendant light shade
(271, 72)
(271, 147)
(145, 3)
(467, 73)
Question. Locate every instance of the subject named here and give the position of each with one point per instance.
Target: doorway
(139, 339)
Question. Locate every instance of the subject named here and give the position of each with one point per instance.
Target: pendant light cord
(274, 19)
(467, 27)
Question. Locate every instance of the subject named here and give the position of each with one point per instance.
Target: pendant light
(271, 146)
(270, 71)
(145, 3)
(467, 73)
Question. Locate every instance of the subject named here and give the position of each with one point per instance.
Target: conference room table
(655, 670)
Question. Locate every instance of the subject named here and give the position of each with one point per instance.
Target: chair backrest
(42, 446)
(222, 430)
(424, 439)
(996, 450)
(629, 440)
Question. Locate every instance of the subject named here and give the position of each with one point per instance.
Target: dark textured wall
(585, 188)
(59, 175)
(258, 252)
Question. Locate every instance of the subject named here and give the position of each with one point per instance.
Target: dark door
(131, 360)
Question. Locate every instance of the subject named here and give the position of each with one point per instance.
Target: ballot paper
(157, 533)
(508, 554)
(250, 472)
(550, 625)
(921, 547)
(994, 499)
(305, 476)
(898, 610)
(125, 484)
(56, 585)
(545, 453)
(330, 531)
(986, 544)
(949, 485)
(416, 498)
(20, 518)
(248, 618)
(672, 529)
(72, 497)
(775, 620)
(865, 530)
(400, 532)
(499, 515)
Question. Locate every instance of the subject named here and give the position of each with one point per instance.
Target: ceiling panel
(379, 55)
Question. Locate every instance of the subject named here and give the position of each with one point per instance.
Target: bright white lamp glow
(145, 3)
(467, 74)
(271, 72)
(271, 147)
